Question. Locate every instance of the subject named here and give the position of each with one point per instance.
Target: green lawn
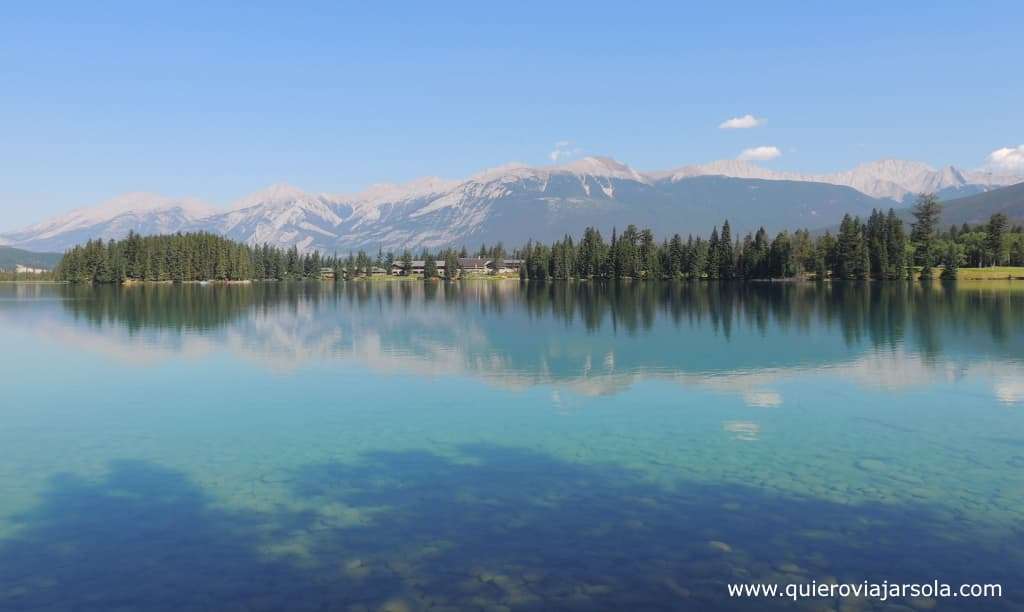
(996, 273)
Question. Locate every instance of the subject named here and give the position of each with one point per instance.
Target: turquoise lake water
(491, 445)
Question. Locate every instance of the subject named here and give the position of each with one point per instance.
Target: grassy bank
(994, 273)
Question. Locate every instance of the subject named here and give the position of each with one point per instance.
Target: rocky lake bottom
(499, 446)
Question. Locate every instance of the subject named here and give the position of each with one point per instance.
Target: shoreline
(482, 278)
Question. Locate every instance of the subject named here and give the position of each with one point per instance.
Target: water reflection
(701, 435)
(594, 338)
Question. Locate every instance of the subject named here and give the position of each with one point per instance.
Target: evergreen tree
(451, 265)
(761, 255)
(780, 258)
(820, 266)
(697, 258)
(726, 254)
(862, 269)
(848, 247)
(926, 214)
(429, 266)
(406, 262)
(951, 261)
(675, 259)
(995, 238)
(711, 263)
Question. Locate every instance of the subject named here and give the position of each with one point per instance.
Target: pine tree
(406, 262)
(675, 259)
(995, 238)
(863, 267)
(820, 267)
(714, 253)
(951, 261)
(648, 255)
(926, 214)
(451, 266)
(726, 254)
(847, 248)
(895, 245)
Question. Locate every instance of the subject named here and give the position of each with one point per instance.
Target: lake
(492, 445)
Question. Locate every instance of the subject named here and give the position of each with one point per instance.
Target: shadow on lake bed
(489, 527)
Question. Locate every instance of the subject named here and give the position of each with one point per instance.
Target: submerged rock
(922, 603)
(872, 465)
(719, 546)
(396, 605)
(789, 567)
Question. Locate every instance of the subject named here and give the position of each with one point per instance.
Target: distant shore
(998, 273)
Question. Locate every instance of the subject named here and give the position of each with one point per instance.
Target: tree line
(203, 256)
(879, 247)
(12, 275)
(198, 256)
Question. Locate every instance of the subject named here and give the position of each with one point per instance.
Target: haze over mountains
(977, 209)
(893, 179)
(515, 203)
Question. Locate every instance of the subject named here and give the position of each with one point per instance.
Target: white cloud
(1007, 159)
(759, 154)
(741, 123)
(762, 399)
(1010, 391)
(563, 150)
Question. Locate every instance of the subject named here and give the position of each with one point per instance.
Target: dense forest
(185, 257)
(878, 248)
(204, 256)
(11, 274)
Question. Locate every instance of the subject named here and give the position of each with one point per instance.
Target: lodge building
(467, 265)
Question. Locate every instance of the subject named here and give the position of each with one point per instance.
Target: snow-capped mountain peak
(893, 179)
(139, 201)
(381, 193)
(725, 167)
(592, 166)
(143, 213)
(605, 167)
(509, 171)
(274, 195)
(516, 202)
(128, 204)
(991, 179)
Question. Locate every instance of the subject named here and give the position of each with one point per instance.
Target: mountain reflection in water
(580, 446)
(591, 337)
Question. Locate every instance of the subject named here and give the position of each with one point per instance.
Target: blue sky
(216, 100)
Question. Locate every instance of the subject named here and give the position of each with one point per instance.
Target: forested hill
(978, 209)
(11, 257)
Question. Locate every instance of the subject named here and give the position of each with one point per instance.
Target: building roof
(473, 262)
(421, 263)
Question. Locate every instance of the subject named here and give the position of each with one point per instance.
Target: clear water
(494, 446)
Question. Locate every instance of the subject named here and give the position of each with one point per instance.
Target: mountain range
(515, 203)
(11, 257)
(977, 209)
